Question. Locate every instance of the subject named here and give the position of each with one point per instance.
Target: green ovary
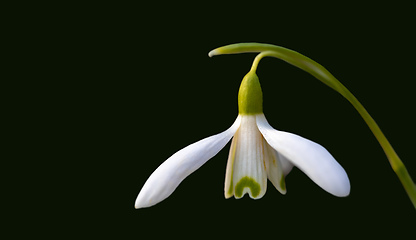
(247, 182)
(250, 96)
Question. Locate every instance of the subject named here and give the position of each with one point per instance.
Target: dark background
(139, 86)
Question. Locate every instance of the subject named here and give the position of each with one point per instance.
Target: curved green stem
(326, 77)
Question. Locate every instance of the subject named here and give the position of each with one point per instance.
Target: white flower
(258, 152)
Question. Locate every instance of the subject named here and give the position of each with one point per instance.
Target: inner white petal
(246, 170)
(274, 168)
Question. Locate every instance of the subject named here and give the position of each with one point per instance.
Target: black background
(143, 87)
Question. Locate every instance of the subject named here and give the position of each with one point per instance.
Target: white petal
(286, 164)
(170, 174)
(313, 159)
(274, 168)
(246, 170)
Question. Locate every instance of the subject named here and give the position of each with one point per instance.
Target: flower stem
(326, 77)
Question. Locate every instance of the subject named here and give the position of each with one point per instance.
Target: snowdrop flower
(258, 152)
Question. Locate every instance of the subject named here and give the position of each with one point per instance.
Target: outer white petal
(246, 170)
(286, 164)
(313, 159)
(164, 180)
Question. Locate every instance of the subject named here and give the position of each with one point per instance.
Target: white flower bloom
(258, 152)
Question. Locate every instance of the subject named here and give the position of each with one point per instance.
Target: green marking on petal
(230, 190)
(247, 182)
(283, 183)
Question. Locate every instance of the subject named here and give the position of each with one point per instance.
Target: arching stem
(318, 71)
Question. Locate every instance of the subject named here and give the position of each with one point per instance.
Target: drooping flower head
(258, 152)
